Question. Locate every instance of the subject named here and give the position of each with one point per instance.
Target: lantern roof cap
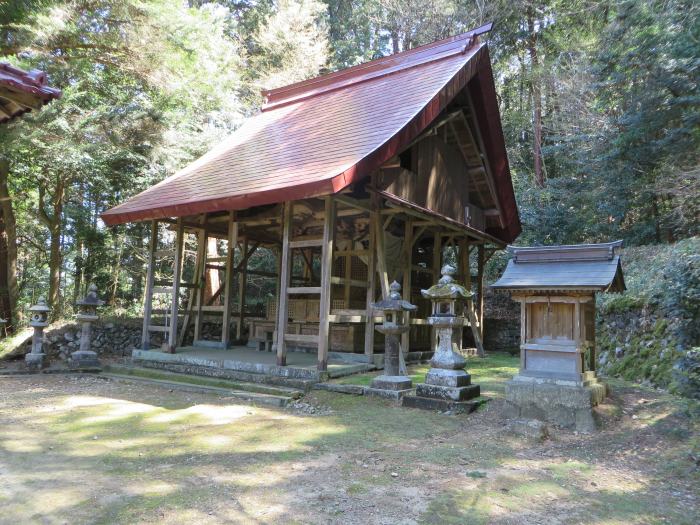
(91, 298)
(40, 306)
(394, 302)
(447, 287)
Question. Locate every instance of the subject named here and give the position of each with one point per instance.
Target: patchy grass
(490, 372)
(78, 449)
(10, 345)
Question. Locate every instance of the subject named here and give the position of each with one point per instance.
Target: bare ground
(80, 449)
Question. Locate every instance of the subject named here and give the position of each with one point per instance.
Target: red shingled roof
(318, 136)
(21, 91)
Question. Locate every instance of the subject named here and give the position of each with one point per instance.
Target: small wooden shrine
(556, 287)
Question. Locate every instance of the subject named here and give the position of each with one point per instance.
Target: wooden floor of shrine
(300, 365)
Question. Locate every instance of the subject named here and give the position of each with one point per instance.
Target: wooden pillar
(198, 283)
(371, 285)
(242, 281)
(177, 274)
(462, 270)
(523, 332)
(577, 337)
(480, 288)
(406, 285)
(381, 253)
(284, 277)
(437, 262)
(228, 298)
(326, 270)
(148, 303)
(201, 281)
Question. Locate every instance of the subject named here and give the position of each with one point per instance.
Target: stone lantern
(447, 385)
(392, 383)
(36, 358)
(84, 358)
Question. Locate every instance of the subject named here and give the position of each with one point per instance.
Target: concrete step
(303, 384)
(196, 380)
(253, 398)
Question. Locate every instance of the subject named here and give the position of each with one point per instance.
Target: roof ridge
(374, 68)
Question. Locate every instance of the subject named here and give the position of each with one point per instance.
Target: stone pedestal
(447, 385)
(36, 359)
(392, 384)
(565, 403)
(84, 358)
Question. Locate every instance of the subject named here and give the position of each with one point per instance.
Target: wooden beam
(326, 270)
(177, 273)
(480, 289)
(228, 283)
(196, 295)
(406, 285)
(381, 254)
(242, 281)
(285, 274)
(148, 303)
(371, 285)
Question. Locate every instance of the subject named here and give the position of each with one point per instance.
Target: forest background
(599, 101)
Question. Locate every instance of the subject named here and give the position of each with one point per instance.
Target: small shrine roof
(589, 267)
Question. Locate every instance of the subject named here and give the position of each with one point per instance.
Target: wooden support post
(480, 289)
(462, 270)
(228, 297)
(148, 303)
(197, 291)
(381, 255)
(371, 284)
(177, 274)
(523, 332)
(406, 285)
(201, 283)
(242, 281)
(326, 270)
(437, 266)
(285, 274)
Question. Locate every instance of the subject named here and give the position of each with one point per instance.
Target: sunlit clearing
(207, 414)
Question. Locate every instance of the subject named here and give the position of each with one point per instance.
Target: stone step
(249, 397)
(150, 373)
(304, 385)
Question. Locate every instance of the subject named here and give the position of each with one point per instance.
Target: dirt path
(86, 450)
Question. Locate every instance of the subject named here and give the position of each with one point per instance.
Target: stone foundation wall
(500, 335)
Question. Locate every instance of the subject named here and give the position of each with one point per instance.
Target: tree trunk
(536, 92)
(9, 290)
(53, 223)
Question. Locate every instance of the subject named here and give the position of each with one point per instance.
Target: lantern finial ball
(395, 291)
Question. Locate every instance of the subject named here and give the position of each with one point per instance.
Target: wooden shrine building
(351, 180)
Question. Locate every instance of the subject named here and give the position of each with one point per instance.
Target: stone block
(384, 382)
(35, 362)
(395, 395)
(84, 360)
(568, 406)
(440, 405)
(461, 393)
(454, 378)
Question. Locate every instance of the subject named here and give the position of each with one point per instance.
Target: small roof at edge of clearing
(22, 91)
(590, 267)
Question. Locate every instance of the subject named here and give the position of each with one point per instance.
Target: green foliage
(644, 333)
